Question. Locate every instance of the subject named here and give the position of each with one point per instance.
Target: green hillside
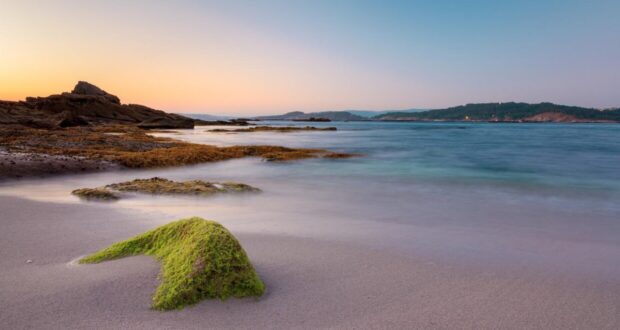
(510, 111)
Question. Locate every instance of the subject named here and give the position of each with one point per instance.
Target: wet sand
(14, 165)
(310, 283)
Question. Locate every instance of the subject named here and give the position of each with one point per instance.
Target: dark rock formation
(166, 122)
(87, 104)
(85, 88)
(161, 186)
(70, 119)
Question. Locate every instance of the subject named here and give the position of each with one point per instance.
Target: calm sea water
(560, 158)
(499, 195)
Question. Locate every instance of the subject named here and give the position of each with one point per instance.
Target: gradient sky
(256, 57)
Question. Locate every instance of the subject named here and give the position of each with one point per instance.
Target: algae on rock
(158, 185)
(161, 186)
(200, 260)
(100, 194)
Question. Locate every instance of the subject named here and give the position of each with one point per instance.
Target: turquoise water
(506, 196)
(560, 158)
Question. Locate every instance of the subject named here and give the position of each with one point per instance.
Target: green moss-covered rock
(97, 194)
(168, 187)
(161, 186)
(200, 260)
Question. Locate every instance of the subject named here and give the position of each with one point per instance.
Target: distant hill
(203, 116)
(331, 115)
(509, 112)
(374, 113)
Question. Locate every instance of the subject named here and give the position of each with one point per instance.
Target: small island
(281, 129)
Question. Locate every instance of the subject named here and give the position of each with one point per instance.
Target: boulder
(200, 260)
(85, 88)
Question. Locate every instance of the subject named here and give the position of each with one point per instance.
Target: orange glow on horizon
(245, 57)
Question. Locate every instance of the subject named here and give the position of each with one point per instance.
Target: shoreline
(28, 165)
(334, 251)
(27, 152)
(466, 121)
(310, 283)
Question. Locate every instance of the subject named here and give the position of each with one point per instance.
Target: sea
(507, 196)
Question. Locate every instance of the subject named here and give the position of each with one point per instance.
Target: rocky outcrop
(85, 88)
(86, 105)
(552, 117)
(166, 122)
(161, 186)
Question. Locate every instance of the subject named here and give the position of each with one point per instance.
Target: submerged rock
(166, 123)
(161, 186)
(193, 187)
(200, 260)
(100, 194)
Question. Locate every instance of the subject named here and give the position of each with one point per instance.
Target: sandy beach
(309, 165)
(310, 283)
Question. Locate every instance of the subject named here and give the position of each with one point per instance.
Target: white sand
(311, 284)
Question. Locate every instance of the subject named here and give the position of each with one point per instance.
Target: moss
(101, 194)
(237, 187)
(281, 129)
(340, 155)
(161, 186)
(200, 260)
(194, 187)
(277, 156)
(132, 147)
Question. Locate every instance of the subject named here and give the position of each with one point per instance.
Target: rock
(166, 122)
(87, 104)
(85, 88)
(200, 260)
(552, 117)
(98, 194)
(161, 186)
(28, 261)
(70, 119)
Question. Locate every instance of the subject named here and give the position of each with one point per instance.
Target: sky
(266, 57)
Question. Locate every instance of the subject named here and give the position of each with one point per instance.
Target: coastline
(28, 152)
(337, 247)
(19, 165)
(310, 283)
